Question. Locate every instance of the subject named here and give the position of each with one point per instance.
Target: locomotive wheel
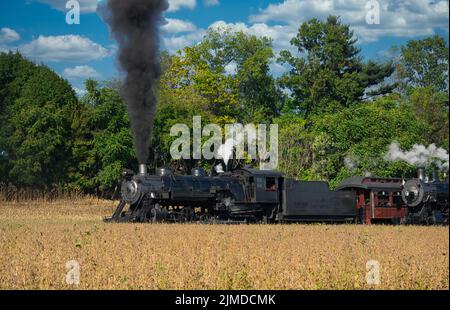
(265, 219)
(157, 214)
(188, 214)
(206, 219)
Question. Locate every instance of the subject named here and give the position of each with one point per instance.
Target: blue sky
(39, 30)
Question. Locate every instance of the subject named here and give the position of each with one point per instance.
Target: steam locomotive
(426, 199)
(255, 196)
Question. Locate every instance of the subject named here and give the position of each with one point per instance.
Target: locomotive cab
(262, 186)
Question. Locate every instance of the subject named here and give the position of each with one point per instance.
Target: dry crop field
(38, 238)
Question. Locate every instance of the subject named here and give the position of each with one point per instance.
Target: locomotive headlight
(152, 195)
(130, 191)
(412, 193)
(131, 188)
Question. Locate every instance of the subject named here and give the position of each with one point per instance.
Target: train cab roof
(376, 183)
(257, 172)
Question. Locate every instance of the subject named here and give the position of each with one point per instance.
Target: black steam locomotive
(427, 200)
(255, 196)
(243, 195)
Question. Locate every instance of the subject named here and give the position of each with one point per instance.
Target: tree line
(332, 107)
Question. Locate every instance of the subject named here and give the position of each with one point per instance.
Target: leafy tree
(360, 134)
(178, 103)
(424, 63)
(198, 82)
(327, 128)
(260, 97)
(295, 148)
(103, 146)
(329, 73)
(195, 69)
(248, 93)
(432, 108)
(37, 114)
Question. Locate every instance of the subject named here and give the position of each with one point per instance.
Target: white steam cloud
(419, 155)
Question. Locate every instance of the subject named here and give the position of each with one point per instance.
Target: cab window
(271, 185)
(383, 199)
(259, 183)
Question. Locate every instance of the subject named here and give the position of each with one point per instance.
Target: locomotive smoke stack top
(143, 169)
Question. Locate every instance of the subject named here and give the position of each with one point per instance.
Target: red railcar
(378, 199)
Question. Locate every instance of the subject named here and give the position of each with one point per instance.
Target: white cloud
(175, 43)
(79, 91)
(280, 34)
(86, 6)
(81, 72)
(8, 35)
(90, 6)
(296, 11)
(71, 48)
(176, 5)
(178, 26)
(398, 18)
(401, 18)
(231, 68)
(211, 2)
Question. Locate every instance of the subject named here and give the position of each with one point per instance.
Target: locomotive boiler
(427, 199)
(239, 196)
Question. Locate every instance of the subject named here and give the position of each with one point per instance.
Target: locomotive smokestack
(135, 26)
(421, 173)
(143, 169)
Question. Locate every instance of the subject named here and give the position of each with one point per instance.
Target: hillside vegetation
(331, 105)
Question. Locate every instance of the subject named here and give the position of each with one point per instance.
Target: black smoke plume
(135, 26)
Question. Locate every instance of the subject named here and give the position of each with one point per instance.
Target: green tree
(260, 98)
(178, 102)
(432, 108)
(198, 81)
(248, 93)
(352, 141)
(329, 73)
(37, 114)
(424, 63)
(361, 134)
(103, 144)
